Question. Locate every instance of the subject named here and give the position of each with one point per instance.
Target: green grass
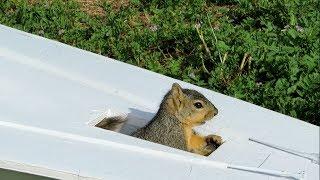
(264, 52)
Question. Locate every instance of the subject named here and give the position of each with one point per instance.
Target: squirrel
(180, 111)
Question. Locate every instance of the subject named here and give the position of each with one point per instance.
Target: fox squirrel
(180, 111)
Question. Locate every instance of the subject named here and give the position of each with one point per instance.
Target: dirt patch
(95, 7)
(117, 4)
(92, 7)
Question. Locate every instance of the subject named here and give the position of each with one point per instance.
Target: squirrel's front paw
(214, 139)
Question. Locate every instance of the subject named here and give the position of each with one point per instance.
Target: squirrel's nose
(215, 111)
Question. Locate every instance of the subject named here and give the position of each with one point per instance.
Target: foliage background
(263, 51)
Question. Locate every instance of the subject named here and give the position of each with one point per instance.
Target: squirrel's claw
(214, 139)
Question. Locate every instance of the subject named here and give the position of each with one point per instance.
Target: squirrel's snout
(215, 111)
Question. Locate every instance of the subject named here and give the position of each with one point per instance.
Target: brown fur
(177, 115)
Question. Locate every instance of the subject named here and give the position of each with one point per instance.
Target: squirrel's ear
(176, 90)
(177, 95)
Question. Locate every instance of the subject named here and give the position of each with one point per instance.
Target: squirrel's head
(188, 106)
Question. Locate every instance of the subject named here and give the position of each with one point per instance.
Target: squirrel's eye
(198, 105)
